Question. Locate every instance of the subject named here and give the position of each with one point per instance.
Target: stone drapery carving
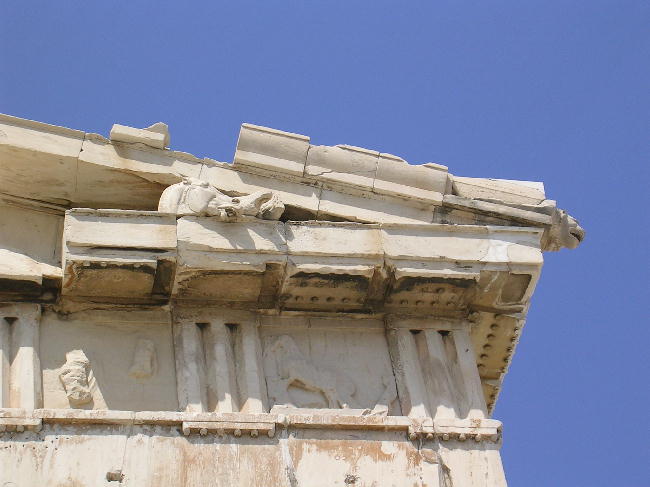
(295, 370)
(74, 376)
(193, 196)
(144, 360)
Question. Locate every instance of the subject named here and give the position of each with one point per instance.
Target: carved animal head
(564, 232)
(572, 233)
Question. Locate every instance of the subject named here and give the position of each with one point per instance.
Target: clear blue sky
(555, 91)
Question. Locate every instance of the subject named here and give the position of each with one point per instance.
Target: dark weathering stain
(308, 279)
(411, 283)
(13, 286)
(96, 265)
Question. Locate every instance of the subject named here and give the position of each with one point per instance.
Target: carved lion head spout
(193, 196)
(563, 232)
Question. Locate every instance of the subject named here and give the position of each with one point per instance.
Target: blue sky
(555, 91)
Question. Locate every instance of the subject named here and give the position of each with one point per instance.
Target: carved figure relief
(193, 196)
(294, 370)
(144, 360)
(75, 377)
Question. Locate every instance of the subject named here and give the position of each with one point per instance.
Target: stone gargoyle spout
(565, 232)
(193, 196)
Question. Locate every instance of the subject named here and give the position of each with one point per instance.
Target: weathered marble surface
(305, 316)
(136, 455)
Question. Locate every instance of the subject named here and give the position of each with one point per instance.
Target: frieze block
(329, 367)
(293, 369)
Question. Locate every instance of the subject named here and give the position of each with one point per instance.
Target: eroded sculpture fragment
(74, 376)
(295, 370)
(144, 360)
(193, 196)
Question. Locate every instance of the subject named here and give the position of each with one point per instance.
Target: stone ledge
(445, 429)
(344, 422)
(527, 217)
(72, 416)
(238, 424)
(235, 428)
(42, 126)
(319, 266)
(18, 425)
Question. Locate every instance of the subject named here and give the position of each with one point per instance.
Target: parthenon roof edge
(71, 168)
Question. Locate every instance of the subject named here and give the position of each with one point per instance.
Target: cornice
(73, 169)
